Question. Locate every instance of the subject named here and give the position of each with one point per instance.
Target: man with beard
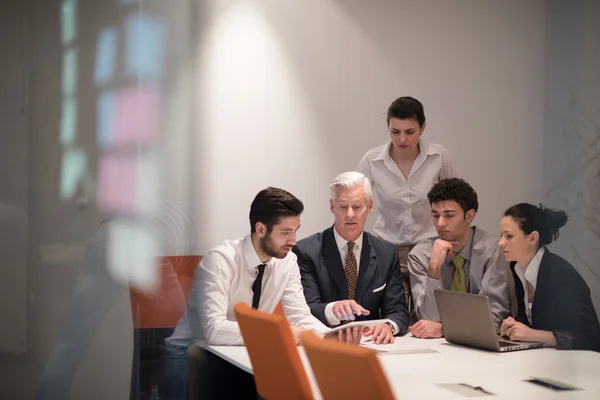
(259, 270)
(461, 258)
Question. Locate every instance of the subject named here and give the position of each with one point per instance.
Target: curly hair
(456, 189)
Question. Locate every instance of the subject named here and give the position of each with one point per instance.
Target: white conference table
(417, 375)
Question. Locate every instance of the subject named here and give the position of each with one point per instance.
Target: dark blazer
(324, 281)
(562, 304)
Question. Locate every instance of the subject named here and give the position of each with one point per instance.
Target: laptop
(467, 320)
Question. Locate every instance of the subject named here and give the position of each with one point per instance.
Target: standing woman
(402, 172)
(554, 303)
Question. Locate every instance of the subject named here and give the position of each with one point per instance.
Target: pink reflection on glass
(118, 180)
(137, 116)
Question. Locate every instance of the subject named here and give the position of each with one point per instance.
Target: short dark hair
(270, 205)
(545, 221)
(406, 108)
(456, 189)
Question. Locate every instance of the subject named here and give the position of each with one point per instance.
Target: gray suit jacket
(485, 269)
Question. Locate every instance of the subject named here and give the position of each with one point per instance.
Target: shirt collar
(385, 152)
(341, 242)
(251, 257)
(531, 272)
(466, 250)
(424, 147)
(427, 149)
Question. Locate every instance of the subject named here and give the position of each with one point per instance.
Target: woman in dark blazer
(554, 303)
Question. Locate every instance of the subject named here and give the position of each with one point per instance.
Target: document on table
(386, 349)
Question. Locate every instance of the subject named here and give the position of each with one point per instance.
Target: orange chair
(155, 315)
(345, 372)
(278, 369)
(164, 307)
(279, 309)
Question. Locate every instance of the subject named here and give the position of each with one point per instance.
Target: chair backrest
(278, 370)
(343, 371)
(164, 307)
(185, 268)
(279, 309)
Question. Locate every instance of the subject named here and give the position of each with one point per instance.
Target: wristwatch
(391, 327)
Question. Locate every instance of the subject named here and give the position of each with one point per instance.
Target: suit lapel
(368, 266)
(332, 262)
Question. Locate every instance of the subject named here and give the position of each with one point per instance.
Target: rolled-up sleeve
(422, 286)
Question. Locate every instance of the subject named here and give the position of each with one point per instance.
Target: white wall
(293, 93)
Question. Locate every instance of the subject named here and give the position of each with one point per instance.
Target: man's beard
(268, 247)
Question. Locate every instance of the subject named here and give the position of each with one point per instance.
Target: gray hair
(351, 180)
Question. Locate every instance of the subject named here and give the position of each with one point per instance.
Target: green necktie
(459, 282)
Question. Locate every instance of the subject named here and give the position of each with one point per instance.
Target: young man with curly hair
(461, 258)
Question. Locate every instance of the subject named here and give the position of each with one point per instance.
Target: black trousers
(146, 369)
(211, 377)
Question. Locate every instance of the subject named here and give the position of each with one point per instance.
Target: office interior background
(116, 108)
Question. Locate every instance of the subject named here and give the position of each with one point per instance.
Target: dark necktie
(350, 271)
(257, 286)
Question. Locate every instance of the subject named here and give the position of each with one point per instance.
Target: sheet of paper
(383, 349)
(384, 352)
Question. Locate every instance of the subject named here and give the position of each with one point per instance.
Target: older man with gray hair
(347, 273)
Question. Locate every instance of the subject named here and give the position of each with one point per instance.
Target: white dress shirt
(342, 246)
(530, 274)
(224, 278)
(404, 212)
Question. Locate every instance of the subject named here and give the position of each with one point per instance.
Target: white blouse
(530, 274)
(404, 211)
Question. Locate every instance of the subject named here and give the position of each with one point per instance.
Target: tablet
(363, 324)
